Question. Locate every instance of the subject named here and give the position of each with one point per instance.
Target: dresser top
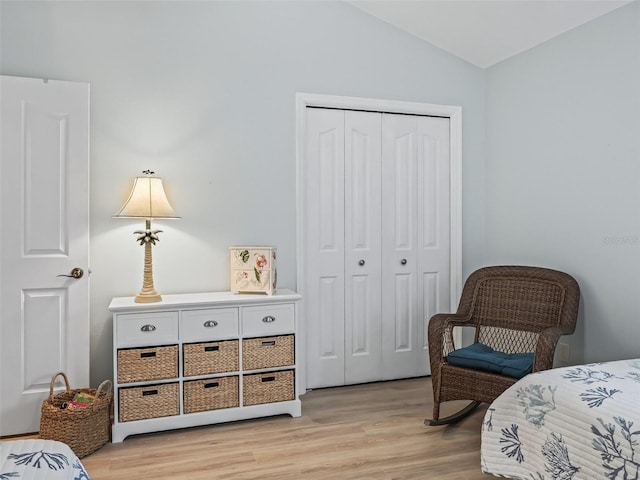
(194, 300)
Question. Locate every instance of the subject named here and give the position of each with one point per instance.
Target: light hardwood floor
(364, 432)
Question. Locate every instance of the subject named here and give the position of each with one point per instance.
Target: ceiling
(485, 32)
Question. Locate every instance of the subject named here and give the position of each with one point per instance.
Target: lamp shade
(147, 200)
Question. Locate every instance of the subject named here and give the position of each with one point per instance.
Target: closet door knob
(361, 262)
(403, 261)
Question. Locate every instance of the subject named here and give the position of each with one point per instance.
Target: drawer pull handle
(210, 324)
(268, 379)
(211, 385)
(268, 344)
(149, 392)
(214, 348)
(148, 328)
(147, 354)
(269, 319)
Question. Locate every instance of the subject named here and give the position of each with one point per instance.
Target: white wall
(204, 94)
(563, 173)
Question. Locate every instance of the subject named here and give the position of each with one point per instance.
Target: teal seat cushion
(483, 357)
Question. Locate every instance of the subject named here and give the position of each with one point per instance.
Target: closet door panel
(399, 247)
(362, 172)
(433, 241)
(324, 239)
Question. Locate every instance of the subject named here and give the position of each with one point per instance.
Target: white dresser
(202, 358)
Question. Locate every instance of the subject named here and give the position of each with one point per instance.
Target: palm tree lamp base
(148, 293)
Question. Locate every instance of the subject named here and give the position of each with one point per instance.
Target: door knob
(361, 262)
(75, 273)
(403, 261)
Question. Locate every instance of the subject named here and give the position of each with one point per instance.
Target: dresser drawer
(211, 394)
(138, 329)
(151, 401)
(210, 357)
(267, 352)
(268, 387)
(208, 324)
(144, 364)
(268, 320)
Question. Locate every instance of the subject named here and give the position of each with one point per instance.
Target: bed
(580, 422)
(37, 459)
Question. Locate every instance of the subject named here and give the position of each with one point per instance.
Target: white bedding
(580, 422)
(37, 459)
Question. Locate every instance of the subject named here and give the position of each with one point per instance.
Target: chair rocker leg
(453, 418)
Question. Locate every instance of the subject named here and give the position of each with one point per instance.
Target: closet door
(375, 241)
(415, 238)
(324, 240)
(363, 202)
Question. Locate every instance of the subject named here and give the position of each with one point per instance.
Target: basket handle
(53, 381)
(107, 385)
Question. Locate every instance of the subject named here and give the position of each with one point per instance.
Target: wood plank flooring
(365, 432)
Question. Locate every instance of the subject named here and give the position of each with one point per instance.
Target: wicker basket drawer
(144, 364)
(151, 401)
(267, 352)
(268, 387)
(210, 357)
(210, 394)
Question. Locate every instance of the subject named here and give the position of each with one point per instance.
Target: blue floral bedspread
(38, 459)
(580, 422)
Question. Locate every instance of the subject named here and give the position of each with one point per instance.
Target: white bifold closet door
(376, 242)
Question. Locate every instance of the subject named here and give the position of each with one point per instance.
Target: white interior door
(44, 211)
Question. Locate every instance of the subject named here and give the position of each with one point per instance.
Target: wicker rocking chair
(514, 309)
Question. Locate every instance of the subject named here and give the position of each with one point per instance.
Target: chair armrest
(546, 347)
(441, 336)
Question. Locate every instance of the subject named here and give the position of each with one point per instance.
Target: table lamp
(147, 200)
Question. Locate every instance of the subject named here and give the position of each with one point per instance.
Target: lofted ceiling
(485, 32)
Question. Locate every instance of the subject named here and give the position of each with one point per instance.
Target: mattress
(580, 422)
(37, 459)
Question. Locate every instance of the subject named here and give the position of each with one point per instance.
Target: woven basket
(144, 364)
(267, 352)
(268, 387)
(210, 394)
(150, 401)
(212, 357)
(86, 429)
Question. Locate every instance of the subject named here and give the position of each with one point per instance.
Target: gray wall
(562, 173)
(204, 94)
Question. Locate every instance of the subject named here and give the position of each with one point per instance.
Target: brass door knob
(75, 273)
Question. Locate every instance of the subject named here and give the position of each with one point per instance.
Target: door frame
(453, 113)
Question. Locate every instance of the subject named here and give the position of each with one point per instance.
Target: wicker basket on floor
(85, 429)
